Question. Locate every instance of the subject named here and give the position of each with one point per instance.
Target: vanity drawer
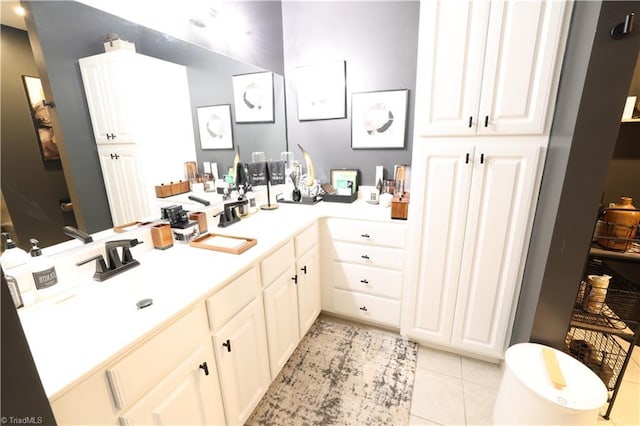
(382, 257)
(367, 307)
(146, 365)
(276, 263)
(230, 300)
(367, 232)
(305, 240)
(367, 279)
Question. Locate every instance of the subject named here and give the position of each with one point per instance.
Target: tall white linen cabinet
(142, 124)
(487, 79)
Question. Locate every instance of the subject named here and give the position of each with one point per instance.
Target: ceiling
(9, 17)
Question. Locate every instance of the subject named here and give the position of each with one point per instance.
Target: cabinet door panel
(281, 314)
(436, 241)
(124, 182)
(309, 299)
(499, 206)
(450, 60)
(522, 49)
(244, 370)
(108, 82)
(185, 396)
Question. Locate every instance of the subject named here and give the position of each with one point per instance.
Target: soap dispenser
(13, 255)
(42, 270)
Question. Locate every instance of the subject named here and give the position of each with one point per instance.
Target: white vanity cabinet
(236, 320)
(291, 294)
(466, 252)
(488, 67)
(170, 377)
(364, 261)
(281, 305)
(188, 395)
(308, 277)
(136, 100)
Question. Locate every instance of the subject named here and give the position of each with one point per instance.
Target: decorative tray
(224, 243)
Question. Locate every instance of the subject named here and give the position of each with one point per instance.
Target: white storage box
(119, 45)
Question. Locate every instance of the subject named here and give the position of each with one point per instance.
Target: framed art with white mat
(214, 125)
(379, 119)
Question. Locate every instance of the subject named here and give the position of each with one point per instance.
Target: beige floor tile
(626, 409)
(481, 372)
(632, 373)
(438, 398)
(478, 403)
(439, 361)
(418, 421)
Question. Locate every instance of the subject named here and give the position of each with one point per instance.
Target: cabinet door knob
(108, 136)
(486, 121)
(366, 257)
(470, 121)
(227, 345)
(466, 160)
(365, 235)
(113, 136)
(304, 269)
(364, 281)
(295, 279)
(481, 158)
(363, 308)
(623, 28)
(204, 367)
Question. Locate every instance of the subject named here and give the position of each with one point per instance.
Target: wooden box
(400, 206)
(163, 191)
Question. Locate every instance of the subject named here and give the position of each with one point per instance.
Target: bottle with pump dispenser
(43, 271)
(13, 255)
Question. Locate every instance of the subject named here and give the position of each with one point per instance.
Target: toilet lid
(584, 390)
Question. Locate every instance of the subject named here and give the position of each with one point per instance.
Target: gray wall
(378, 40)
(32, 188)
(67, 31)
(595, 78)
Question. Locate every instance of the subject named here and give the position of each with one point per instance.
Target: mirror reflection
(61, 33)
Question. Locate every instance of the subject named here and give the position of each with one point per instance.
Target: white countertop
(97, 321)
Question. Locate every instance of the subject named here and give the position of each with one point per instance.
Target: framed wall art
(39, 108)
(214, 125)
(322, 91)
(379, 119)
(253, 97)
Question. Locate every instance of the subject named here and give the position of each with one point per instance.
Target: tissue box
(112, 45)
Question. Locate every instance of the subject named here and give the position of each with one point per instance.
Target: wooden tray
(224, 243)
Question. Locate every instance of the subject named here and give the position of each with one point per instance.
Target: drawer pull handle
(304, 269)
(364, 281)
(295, 279)
(363, 308)
(366, 257)
(365, 235)
(227, 345)
(204, 367)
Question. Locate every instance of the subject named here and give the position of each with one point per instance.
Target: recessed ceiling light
(19, 10)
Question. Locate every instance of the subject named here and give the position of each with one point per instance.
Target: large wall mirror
(61, 32)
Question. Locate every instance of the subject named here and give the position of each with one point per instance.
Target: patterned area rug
(342, 374)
